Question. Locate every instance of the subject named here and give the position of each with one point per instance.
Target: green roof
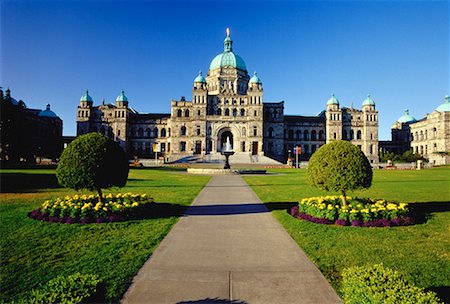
(368, 101)
(200, 78)
(122, 97)
(228, 59)
(333, 100)
(47, 112)
(255, 79)
(445, 107)
(86, 97)
(406, 118)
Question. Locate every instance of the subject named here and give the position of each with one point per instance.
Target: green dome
(255, 79)
(445, 107)
(368, 101)
(406, 118)
(200, 78)
(86, 97)
(228, 59)
(122, 97)
(47, 113)
(333, 100)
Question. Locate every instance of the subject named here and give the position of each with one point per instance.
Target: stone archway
(222, 139)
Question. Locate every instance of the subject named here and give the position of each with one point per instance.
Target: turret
(122, 100)
(86, 100)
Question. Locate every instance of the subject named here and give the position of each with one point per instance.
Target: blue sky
(397, 51)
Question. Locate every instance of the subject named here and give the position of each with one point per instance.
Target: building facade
(228, 103)
(429, 136)
(28, 135)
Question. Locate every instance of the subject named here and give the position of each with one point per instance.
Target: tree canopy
(339, 166)
(93, 162)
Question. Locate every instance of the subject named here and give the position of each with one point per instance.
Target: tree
(93, 162)
(339, 166)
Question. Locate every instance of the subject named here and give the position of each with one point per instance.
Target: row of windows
(148, 132)
(299, 135)
(424, 135)
(424, 149)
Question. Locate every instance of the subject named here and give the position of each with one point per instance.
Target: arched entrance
(222, 139)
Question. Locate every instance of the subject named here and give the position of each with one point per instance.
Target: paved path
(229, 249)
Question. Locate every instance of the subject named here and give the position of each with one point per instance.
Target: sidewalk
(229, 249)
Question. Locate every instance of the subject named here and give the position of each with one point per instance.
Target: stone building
(28, 134)
(228, 103)
(429, 136)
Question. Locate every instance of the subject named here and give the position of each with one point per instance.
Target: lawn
(33, 252)
(420, 252)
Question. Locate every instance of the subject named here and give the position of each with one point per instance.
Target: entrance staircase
(237, 158)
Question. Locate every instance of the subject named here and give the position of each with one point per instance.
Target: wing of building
(228, 103)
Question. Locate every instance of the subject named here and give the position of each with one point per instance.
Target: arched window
(358, 134)
(141, 132)
(209, 130)
(305, 135)
(321, 135)
(148, 132)
(352, 135)
(155, 132)
(290, 134)
(298, 134)
(270, 132)
(234, 112)
(313, 135)
(255, 131)
(434, 132)
(169, 136)
(227, 112)
(183, 131)
(219, 111)
(242, 112)
(133, 132)
(163, 132)
(186, 113)
(179, 113)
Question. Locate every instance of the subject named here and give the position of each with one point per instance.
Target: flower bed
(363, 212)
(87, 209)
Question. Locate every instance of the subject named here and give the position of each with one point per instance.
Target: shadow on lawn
(21, 183)
(421, 212)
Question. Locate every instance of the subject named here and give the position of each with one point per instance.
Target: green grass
(34, 252)
(420, 252)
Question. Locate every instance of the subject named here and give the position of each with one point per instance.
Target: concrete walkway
(229, 249)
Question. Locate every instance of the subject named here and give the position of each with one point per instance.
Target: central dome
(228, 59)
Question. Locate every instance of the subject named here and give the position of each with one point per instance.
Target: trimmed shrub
(378, 284)
(70, 289)
(339, 166)
(93, 162)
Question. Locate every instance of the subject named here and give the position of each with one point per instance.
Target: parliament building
(228, 103)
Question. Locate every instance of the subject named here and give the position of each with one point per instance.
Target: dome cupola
(200, 78)
(47, 112)
(255, 79)
(122, 97)
(406, 118)
(445, 107)
(86, 97)
(368, 101)
(228, 59)
(333, 100)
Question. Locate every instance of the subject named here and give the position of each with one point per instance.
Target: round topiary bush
(339, 166)
(93, 162)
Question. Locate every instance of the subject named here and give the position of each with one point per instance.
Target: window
(344, 135)
(270, 146)
(313, 135)
(198, 131)
(305, 135)
(243, 146)
(219, 111)
(298, 134)
(352, 134)
(186, 113)
(335, 135)
(179, 113)
(244, 131)
(148, 132)
(227, 112)
(242, 112)
(183, 146)
(183, 131)
(321, 136)
(255, 131)
(199, 112)
(358, 134)
(155, 132)
(234, 112)
(163, 132)
(255, 113)
(290, 134)
(118, 132)
(141, 132)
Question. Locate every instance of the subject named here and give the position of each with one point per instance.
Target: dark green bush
(71, 289)
(93, 162)
(378, 284)
(339, 166)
